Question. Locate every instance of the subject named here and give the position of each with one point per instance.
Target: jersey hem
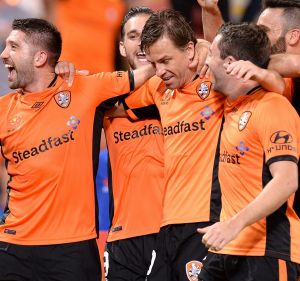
(185, 220)
(47, 242)
(126, 235)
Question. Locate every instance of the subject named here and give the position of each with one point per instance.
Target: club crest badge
(244, 119)
(193, 269)
(203, 90)
(63, 98)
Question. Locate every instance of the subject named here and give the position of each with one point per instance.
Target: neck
(41, 82)
(239, 89)
(189, 77)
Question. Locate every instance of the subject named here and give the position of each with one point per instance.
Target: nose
(4, 54)
(160, 70)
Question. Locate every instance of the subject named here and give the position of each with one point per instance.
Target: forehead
(164, 46)
(136, 23)
(271, 17)
(16, 36)
(214, 48)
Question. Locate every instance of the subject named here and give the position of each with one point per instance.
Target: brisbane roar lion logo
(63, 98)
(193, 269)
(244, 119)
(203, 90)
(166, 97)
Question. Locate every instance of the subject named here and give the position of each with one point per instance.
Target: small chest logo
(203, 90)
(244, 119)
(167, 95)
(14, 122)
(63, 98)
(193, 269)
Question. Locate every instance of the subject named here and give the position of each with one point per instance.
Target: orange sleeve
(141, 100)
(104, 85)
(289, 88)
(279, 130)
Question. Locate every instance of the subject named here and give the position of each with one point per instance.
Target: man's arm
(283, 184)
(211, 18)
(246, 70)
(3, 182)
(287, 65)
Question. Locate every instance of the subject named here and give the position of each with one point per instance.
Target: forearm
(142, 74)
(212, 21)
(271, 81)
(287, 65)
(273, 196)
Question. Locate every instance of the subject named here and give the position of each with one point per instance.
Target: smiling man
(47, 138)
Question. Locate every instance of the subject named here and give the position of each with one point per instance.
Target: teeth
(8, 66)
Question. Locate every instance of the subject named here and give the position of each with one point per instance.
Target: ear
(293, 37)
(190, 49)
(229, 60)
(122, 49)
(40, 58)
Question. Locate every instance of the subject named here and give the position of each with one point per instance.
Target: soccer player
(258, 236)
(191, 115)
(46, 134)
(137, 173)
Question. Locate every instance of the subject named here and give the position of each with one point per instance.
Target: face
(216, 67)
(130, 46)
(171, 63)
(271, 19)
(18, 59)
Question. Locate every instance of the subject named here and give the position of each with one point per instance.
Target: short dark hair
(245, 42)
(291, 11)
(132, 13)
(42, 33)
(170, 23)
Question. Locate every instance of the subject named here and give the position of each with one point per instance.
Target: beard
(279, 47)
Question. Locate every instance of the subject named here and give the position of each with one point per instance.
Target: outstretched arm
(211, 18)
(288, 65)
(246, 70)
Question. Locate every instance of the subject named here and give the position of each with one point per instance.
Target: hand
(245, 70)
(198, 62)
(208, 4)
(219, 234)
(67, 71)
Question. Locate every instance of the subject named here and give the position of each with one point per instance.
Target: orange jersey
(191, 118)
(137, 164)
(47, 141)
(259, 129)
(89, 30)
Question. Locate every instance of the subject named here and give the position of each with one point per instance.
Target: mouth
(141, 56)
(11, 71)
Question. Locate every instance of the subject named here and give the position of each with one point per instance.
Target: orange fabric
(259, 129)
(47, 139)
(283, 275)
(137, 162)
(89, 30)
(289, 88)
(191, 126)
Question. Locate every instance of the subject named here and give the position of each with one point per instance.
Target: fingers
(83, 72)
(204, 71)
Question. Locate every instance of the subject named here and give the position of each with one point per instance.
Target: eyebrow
(134, 31)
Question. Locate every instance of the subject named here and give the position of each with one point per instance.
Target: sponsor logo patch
(193, 269)
(244, 119)
(281, 137)
(242, 148)
(63, 98)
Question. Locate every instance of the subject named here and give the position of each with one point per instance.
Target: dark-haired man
(46, 134)
(258, 236)
(191, 115)
(137, 173)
